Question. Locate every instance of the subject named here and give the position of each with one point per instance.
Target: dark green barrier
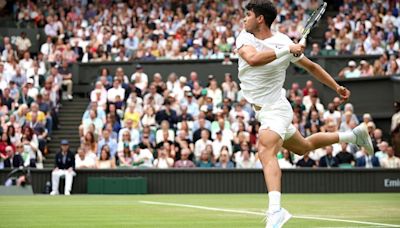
(112, 185)
(175, 181)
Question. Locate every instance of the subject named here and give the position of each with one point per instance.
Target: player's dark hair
(264, 8)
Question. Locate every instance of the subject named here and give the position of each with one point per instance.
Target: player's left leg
(300, 145)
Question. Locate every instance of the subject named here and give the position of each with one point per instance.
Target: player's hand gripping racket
(312, 22)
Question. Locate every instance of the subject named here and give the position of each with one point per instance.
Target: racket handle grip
(303, 41)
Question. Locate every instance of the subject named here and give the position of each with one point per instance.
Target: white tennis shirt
(263, 84)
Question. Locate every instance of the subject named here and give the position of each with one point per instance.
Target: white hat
(352, 63)
(186, 89)
(203, 108)
(182, 79)
(30, 81)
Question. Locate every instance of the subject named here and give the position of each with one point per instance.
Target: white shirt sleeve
(244, 38)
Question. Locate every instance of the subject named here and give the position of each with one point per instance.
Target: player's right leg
(269, 143)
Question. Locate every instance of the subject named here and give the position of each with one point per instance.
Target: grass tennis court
(216, 210)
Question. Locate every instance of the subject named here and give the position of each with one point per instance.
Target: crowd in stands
(139, 122)
(134, 121)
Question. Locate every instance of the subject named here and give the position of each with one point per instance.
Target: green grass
(127, 211)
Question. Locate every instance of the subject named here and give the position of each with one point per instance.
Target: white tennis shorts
(277, 117)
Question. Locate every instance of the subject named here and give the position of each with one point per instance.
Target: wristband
(281, 52)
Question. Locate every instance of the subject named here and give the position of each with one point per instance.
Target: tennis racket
(312, 22)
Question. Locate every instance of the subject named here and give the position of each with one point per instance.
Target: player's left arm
(324, 77)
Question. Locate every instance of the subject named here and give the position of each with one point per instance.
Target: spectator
(184, 162)
(163, 161)
(328, 160)
(391, 161)
(23, 43)
(224, 160)
(65, 165)
(286, 162)
(142, 157)
(366, 160)
(84, 159)
(105, 161)
(315, 51)
(345, 158)
(351, 71)
(201, 144)
(66, 74)
(306, 161)
(246, 161)
(11, 159)
(110, 142)
(205, 160)
(366, 70)
(383, 150)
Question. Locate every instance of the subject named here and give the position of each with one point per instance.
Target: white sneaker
(70, 97)
(67, 193)
(53, 193)
(278, 219)
(362, 138)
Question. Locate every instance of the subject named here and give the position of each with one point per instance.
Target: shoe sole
(287, 217)
(365, 134)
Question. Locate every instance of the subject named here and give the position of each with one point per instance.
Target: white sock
(348, 137)
(274, 201)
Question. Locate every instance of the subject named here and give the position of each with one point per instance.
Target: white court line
(263, 214)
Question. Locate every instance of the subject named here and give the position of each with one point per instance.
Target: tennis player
(263, 59)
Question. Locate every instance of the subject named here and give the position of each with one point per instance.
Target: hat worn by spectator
(64, 142)
(182, 79)
(29, 81)
(362, 62)
(138, 66)
(352, 63)
(210, 77)
(186, 89)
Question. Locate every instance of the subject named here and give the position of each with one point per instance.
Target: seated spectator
(306, 161)
(351, 71)
(13, 159)
(365, 160)
(84, 159)
(286, 162)
(224, 160)
(125, 155)
(328, 160)
(391, 161)
(345, 158)
(201, 144)
(184, 162)
(110, 142)
(165, 131)
(383, 150)
(142, 157)
(205, 160)
(163, 161)
(246, 160)
(220, 142)
(315, 51)
(167, 114)
(65, 165)
(366, 70)
(99, 95)
(105, 161)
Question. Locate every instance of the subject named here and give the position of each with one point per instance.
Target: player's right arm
(258, 58)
